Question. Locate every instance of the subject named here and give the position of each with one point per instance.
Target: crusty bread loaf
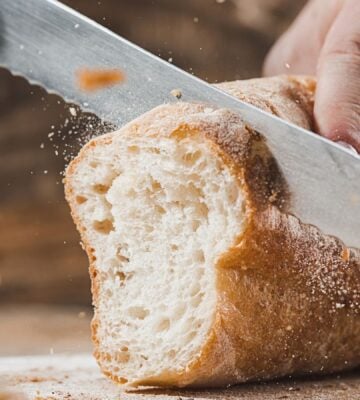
(199, 276)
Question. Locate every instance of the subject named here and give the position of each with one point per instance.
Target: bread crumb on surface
(72, 111)
(7, 395)
(44, 398)
(94, 79)
(176, 93)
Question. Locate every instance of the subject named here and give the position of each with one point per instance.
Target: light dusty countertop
(45, 353)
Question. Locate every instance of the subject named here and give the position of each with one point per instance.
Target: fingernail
(347, 146)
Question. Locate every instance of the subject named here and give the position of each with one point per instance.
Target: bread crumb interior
(158, 213)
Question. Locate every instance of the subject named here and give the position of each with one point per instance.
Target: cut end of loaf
(156, 213)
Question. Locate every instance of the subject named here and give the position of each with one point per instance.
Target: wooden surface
(77, 376)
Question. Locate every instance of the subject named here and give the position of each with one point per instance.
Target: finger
(298, 49)
(337, 100)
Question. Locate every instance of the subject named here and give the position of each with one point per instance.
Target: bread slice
(200, 276)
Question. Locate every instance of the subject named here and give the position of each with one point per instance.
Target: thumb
(337, 101)
(298, 49)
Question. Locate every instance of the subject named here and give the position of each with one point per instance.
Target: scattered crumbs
(44, 398)
(196, 20)
(170, 59)
(339, 305)
(288, 328)
(76, 26)
(37, 379)
(81, 127)
(33, 379)
(94, 79)
(45, 171)
(287, 65)
(176, 93)
(72, 111)
(82, 314)
(294, 389)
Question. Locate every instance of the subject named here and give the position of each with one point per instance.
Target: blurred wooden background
(40, 257)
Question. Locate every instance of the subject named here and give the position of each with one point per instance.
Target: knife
(47, 42)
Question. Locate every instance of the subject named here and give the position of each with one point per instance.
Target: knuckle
(348, 47)
(338, 119)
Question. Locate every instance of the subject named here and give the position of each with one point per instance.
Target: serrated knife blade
(47, 42)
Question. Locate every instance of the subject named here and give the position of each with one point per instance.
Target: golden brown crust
(288, 296)
(288, 304)
(288, 97)
(93, 271)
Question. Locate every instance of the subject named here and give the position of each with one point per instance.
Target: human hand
(324, 40)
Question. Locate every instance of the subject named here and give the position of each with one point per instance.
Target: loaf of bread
(200, 275)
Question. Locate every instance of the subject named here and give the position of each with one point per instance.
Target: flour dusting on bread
(199, 275)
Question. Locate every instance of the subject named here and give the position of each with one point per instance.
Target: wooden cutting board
(77, 376)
